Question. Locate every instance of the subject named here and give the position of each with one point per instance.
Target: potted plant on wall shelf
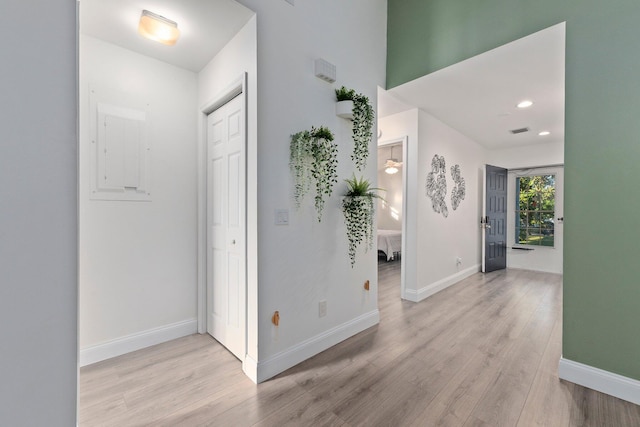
(356, 106)
(344, 106)
(358, 207)
(313, 158)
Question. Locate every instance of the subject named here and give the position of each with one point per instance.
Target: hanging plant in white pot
(313, 159)
(362, 116)
(358, 207)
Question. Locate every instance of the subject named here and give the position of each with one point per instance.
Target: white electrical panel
(121, 154)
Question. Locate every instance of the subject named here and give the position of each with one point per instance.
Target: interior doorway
(510, 101)
(391, 227)
(141, 262)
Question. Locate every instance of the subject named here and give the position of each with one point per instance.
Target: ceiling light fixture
(391, 165)
(525, 104)
(391, 170)
(544, 133)
(158, 28)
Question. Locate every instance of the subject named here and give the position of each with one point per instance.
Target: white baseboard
(427, 291)
(314, 345)
(133, 342)
(603, 381)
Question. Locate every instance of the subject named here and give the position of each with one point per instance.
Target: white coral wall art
(458, 191)
(436, 186)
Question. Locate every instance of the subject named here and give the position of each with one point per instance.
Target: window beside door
(535, 210)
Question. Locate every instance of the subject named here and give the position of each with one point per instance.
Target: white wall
(237, 57)
(442, 240)
(38, 214)
(387, 218)
(306, 261)
(138, 259)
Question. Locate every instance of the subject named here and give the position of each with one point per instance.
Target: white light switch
(282, 216)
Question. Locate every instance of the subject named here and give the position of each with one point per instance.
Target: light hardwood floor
(483, 352)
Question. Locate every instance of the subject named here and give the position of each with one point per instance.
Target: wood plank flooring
(483, 352)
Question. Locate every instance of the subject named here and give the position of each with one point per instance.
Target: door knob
(233, 242)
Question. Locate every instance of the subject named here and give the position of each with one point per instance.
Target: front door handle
(485, 222)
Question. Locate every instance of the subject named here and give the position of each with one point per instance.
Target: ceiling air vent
(517, 131)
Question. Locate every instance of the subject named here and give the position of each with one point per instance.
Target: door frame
(483, 215)
(558, 171)
(403, 247)
(237, 87)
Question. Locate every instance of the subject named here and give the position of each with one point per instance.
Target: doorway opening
(142, 277)
(391, 227)
(522, 219)
(472, 113)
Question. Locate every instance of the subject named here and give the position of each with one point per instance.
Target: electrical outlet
(322, 308)
(458, 261)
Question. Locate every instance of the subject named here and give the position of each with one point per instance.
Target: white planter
(344, 109)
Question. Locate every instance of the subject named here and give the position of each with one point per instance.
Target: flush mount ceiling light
(391, 165)
(158, 28)
(544, 133)
(525, 104)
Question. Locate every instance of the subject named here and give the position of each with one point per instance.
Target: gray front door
(495, 220)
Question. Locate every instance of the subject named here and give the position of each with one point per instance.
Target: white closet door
(226, 225)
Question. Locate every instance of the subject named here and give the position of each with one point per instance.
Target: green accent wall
(601, 319)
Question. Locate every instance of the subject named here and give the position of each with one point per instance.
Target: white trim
(483, 230)
(403, 245)
(427, 291)
(597, 379)
(137, 341)
(300, 352)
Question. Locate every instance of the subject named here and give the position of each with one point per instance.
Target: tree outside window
(535, 210)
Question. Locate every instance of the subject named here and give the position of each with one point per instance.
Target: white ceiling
(205, 27)
(478, 96)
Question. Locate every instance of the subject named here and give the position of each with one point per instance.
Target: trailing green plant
(313, 157)
(344, 94)
(362, 129)
(358, 207)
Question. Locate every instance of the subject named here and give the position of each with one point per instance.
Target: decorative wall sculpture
(436, 186)
(458, 191)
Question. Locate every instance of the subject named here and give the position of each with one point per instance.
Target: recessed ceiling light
(544, 133)
(525, 104)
